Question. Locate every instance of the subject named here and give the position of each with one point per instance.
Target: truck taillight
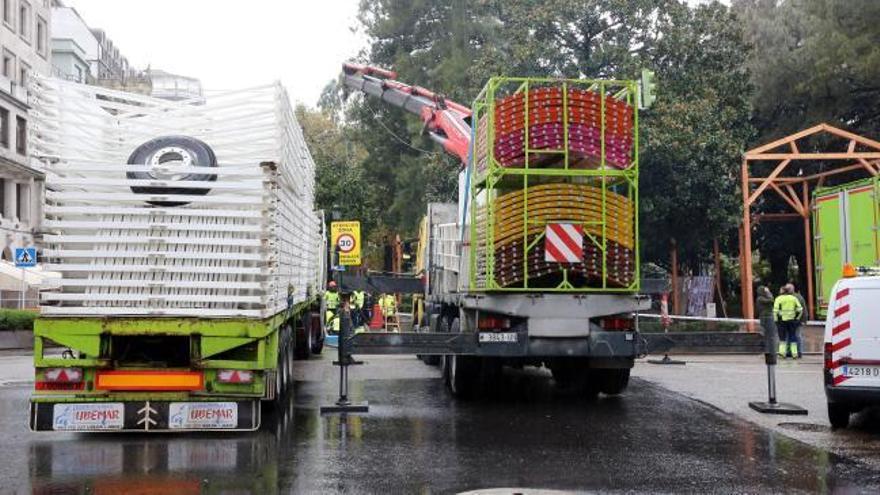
(63, 375)
(235, 376)
(828, 362)
(493, 323)
(60, 379)
(617, 323)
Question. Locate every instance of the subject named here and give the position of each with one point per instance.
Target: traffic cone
(378, 320)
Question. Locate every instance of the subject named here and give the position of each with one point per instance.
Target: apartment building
(24, 44)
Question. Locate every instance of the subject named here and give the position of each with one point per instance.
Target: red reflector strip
(235, 376)
(150, 380)
(840, 379)
(840, 328)
(840, 345)
(841, 310)
(841, 294)
(59, 385)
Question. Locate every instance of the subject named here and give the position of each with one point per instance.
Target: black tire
(436, 360)
(187, 150)
(464, 371)
(568, 373)
(317, 343)
(302, 341)
(838, 415)
(611, 381)
(574, 375)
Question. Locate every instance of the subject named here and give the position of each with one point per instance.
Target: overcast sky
(232, 44)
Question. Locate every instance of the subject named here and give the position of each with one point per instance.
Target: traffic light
(649, 89)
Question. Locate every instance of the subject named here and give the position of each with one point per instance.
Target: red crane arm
(445, 121)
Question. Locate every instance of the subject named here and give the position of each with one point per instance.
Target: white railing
(446, 246)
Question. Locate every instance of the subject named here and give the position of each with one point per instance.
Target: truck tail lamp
(60, 379)
(235, 376)
(493, 323)
(829, 364)
(617, 323)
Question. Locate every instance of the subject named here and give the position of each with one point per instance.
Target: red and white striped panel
(564, 243)
(840, 335)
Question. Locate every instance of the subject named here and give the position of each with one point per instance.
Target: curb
(16, 340)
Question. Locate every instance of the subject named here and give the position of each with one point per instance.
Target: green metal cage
(547, 152)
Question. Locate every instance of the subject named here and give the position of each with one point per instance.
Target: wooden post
(717, 251)
(748, 304)
(808, 251)
(676, 309)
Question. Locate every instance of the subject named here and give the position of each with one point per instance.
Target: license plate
(202, 415)
(504, 337)
(88, 417)
(862, 371)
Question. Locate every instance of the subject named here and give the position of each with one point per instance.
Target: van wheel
(838, 415)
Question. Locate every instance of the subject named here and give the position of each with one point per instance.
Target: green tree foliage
(815, 61)
(695, 134)
(340, 178)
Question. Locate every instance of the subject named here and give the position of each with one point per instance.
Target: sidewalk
(16, 369)
(729, 383)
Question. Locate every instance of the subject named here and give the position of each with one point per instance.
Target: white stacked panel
(236, 251)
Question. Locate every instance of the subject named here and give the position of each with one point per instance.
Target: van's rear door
(856, 313)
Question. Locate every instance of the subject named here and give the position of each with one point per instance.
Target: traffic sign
(346, 238)
(25, 257)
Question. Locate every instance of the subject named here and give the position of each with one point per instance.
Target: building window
(24, 20)
(41, 36)
(7, 12)
(21, 193)
(20, 136)
(8, 65)
(4, 128)
(23, 71)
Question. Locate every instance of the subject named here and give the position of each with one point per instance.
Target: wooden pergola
(793, 179)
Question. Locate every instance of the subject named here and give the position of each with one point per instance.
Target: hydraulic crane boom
(446, 122)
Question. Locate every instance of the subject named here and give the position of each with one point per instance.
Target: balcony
(13, 89)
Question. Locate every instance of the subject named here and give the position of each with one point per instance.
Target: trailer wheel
(303, 342)
(315, 328)
(182, 151)
(611, 381)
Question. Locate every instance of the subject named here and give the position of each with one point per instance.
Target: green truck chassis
(174, 374)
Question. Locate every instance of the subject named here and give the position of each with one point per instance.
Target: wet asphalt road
(416, 439)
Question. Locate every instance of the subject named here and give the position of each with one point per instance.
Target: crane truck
(537, 262)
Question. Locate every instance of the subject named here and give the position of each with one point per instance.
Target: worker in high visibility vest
(388, 305)
(357, 303)
(331, 308)
(787, 311)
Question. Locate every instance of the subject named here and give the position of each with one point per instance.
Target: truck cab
(852, 345)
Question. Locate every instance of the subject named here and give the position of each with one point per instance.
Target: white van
(852, 346)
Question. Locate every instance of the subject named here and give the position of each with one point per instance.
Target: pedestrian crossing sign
(25, 257)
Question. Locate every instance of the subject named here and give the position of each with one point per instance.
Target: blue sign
(25, 257)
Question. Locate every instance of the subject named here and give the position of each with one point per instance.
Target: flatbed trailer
(214, 374)
(190, 258)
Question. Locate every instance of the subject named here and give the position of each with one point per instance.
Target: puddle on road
(806, 427)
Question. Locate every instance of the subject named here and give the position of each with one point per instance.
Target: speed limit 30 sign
(346, 237)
